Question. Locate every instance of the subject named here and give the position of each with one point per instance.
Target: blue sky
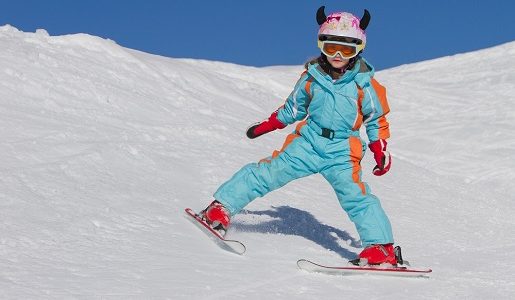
(266, 32)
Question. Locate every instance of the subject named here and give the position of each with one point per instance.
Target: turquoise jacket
(342, 105)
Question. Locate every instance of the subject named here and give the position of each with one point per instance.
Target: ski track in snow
(103, 148)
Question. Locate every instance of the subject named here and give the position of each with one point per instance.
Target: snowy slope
(103, 147)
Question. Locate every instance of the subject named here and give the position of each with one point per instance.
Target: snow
(103, 147)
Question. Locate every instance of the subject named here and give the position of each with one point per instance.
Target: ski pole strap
(331, 134)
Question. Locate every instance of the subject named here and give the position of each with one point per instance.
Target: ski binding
(400, 271)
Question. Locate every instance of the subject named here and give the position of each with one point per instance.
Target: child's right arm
(294, 109)
(296, 106)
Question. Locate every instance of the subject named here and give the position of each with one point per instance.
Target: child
(335, 95)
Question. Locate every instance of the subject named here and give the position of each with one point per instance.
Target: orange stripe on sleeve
(384, 131)
(381, 95)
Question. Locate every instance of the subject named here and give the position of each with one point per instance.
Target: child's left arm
(375, 108)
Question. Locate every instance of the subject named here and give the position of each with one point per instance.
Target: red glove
(382, 157)
(270, 124)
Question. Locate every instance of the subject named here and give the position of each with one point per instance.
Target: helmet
(342, 25)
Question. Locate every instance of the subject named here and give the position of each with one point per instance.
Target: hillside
(103, 147)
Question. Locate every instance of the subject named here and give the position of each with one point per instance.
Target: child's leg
(254, 180)
(363, 208)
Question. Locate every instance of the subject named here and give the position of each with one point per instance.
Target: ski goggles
(332, 48)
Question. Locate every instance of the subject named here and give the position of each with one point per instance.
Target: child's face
(338, 62)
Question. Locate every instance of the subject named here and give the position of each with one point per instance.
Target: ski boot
(217, 216)
(379, 255)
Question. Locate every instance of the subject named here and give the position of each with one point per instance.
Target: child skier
(335, 95)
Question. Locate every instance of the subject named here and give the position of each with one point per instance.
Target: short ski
(228, 245)
(401, 271)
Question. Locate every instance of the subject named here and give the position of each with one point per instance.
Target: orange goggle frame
(346, 50)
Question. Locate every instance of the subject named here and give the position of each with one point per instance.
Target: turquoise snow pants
(300, 158)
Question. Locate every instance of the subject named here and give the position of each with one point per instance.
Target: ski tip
(240, 249)
(233, 246)
(304, 264)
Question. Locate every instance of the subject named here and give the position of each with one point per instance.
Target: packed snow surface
(102, 147)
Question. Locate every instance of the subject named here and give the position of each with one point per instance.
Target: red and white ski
(401, 271)
(228, 245)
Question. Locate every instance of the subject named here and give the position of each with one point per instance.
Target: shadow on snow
(293, 221)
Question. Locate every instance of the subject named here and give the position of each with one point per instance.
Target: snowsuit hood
(362, 72)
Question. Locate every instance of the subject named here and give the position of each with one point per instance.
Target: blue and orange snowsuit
(326, 142)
